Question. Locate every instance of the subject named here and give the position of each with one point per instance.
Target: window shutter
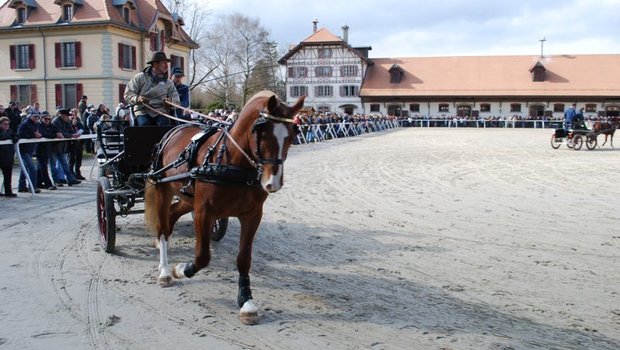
(79, 91)
(133, 57)
(33, 93)
(121, 55)
(162, 39)
(153, 42)
(57, 55)
(341, 91)
(31, 62)
(78, 55)
(13, 92)
(58, 95)
(183, 63)
(13, 60)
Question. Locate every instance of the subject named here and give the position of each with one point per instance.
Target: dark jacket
(7, 152)
(48, 131)
(15, 118)
(26, 130)
(66, 129)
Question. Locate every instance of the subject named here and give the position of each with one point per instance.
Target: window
(68, 55)
(126, 14)
(158, 40)
(444, 107)
(324, 91)
(349, 90)
(297, 72)
(22, 56)
(348, 71)
(67, 13)
(126, 56)
(323, 71)
(177, 61)
(375, 107)
(414, 107)
(296, 91)
(485, 107)
(515, 107)
(325, 53)
(558, 107)
(21, 15)
(67, 95)
(322, 109)
(24, 94)
(591, 107)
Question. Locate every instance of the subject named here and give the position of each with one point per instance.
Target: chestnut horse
(249, 160)
(607, 129)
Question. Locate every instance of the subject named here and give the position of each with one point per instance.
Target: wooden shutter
(13, 92)
(58, 55)
(121, 55)
(12, 48)
(183, 63)
(31, 61)
(33, 93)
(162, 39)
(78, 55)
(341, 91)
(79, 91)
(153, 42)
(133, 57)
(58, 88)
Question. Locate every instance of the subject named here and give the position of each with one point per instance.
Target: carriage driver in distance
(153, 87)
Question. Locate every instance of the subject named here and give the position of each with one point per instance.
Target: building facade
(441, 87)
(55, 51)
(327, 70)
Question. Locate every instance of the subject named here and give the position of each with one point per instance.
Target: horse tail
(151, 216)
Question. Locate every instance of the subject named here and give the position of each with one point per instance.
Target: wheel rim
(101, 215)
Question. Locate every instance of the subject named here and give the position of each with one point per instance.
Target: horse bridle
(263, 119)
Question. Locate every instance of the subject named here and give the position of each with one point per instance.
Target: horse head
(272, 134)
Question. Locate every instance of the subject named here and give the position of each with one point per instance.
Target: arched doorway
(463, 111)
(537, 111)
(348, 109)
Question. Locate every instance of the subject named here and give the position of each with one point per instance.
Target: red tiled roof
(321, 36)
(584, 75)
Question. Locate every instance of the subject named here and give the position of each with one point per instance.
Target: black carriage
(123, 157)
(576, 137)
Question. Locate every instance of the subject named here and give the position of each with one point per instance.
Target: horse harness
(214, 172)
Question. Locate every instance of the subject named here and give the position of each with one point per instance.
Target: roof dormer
(396, 74)
(22, 10)
(538, 72)
(68, 9)
(126, 7)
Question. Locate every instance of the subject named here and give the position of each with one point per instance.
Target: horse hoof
(165, 281)
(248, 315)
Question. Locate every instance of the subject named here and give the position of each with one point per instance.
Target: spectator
(28, 129)
(7, 156)
(82, 107)
(183, 91)
(14, 115)
(60, 152)
(76, 148)
(48, 131)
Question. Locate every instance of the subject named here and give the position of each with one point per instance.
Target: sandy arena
(406, 239)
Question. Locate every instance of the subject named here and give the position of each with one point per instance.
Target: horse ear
(272, 104)
(298, 105)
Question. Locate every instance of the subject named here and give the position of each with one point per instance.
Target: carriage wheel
(577, 142)
(219, 229)
(591, 141)
(106, 216)
(555, 142)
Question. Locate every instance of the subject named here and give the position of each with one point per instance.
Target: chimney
(345, 33)
(314, 24)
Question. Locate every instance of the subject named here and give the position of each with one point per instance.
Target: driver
(152, 86)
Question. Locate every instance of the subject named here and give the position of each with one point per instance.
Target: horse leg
(164, 197)
(179, 209)
(203, 250)
(248, 314)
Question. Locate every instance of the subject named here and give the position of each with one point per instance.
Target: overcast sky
(400, 28)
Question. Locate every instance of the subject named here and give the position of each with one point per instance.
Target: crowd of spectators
(48, 164)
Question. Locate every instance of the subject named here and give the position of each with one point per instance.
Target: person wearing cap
(7, 156)
(153, 88)
(28, 129)
(59, 155)
(48, 131)
(183, 91)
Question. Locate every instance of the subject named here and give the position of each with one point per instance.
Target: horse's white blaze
(280, 132)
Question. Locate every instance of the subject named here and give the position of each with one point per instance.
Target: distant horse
(605, 128)
(239, 169)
